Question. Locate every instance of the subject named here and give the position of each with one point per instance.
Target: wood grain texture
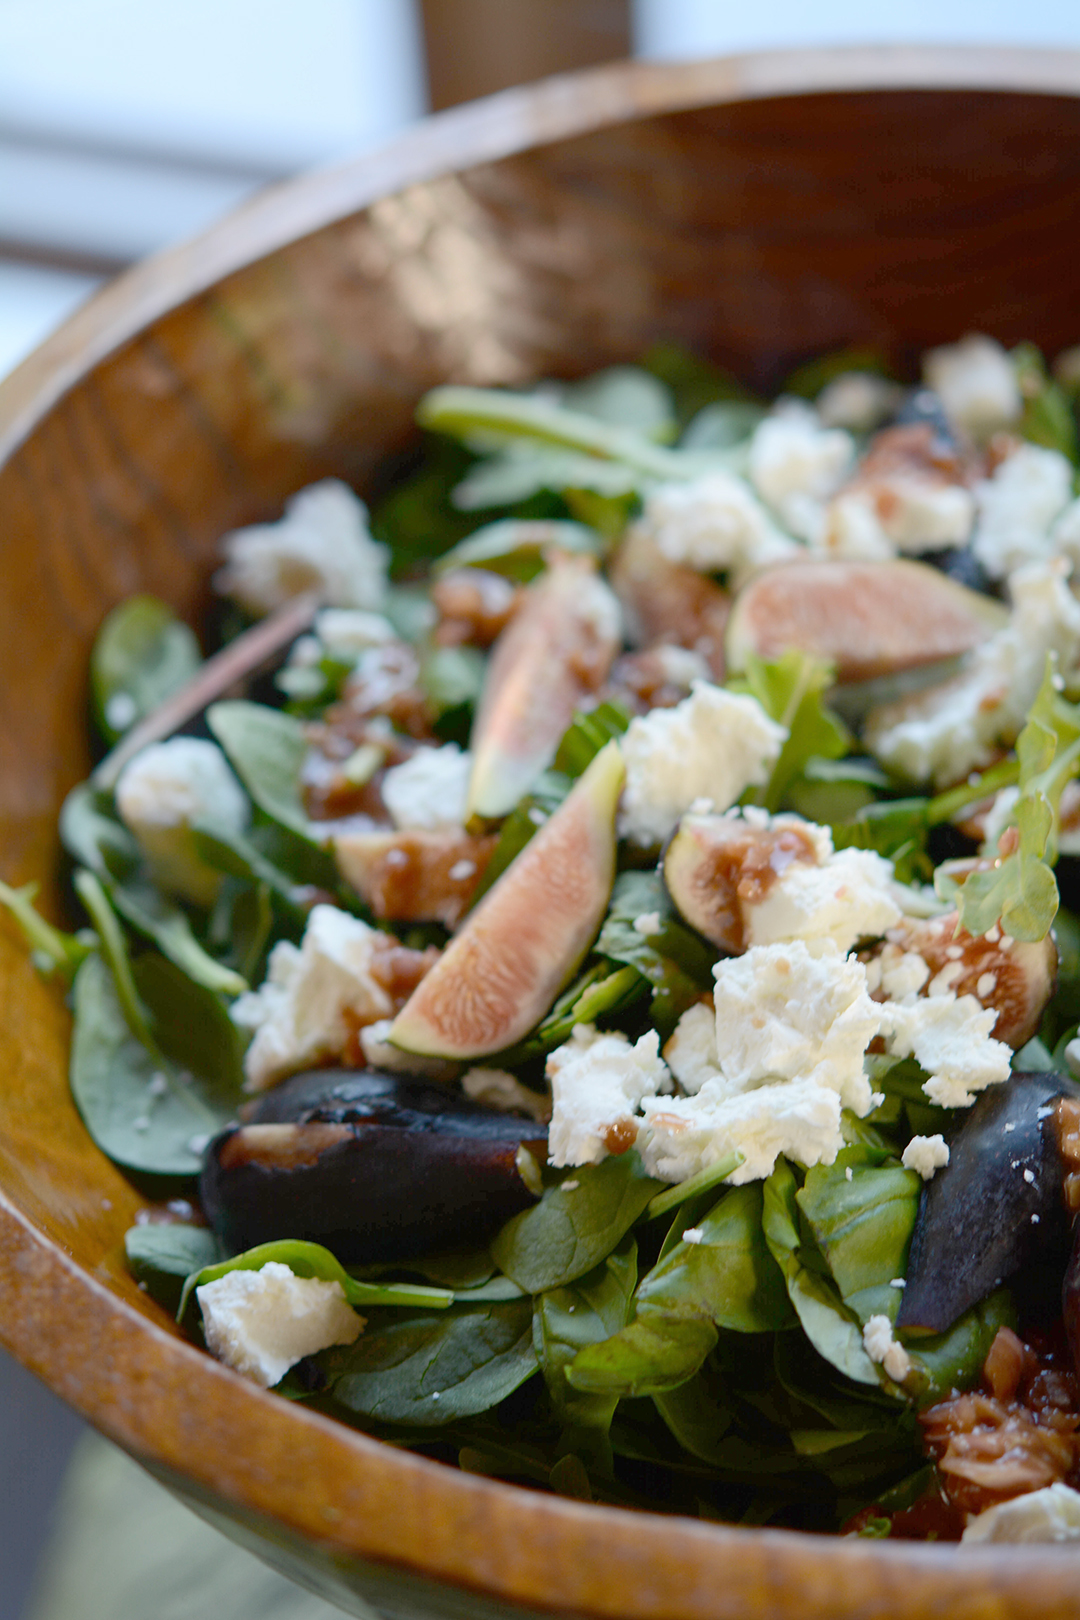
(760, 209)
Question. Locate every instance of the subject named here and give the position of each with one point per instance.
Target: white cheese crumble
(857, 400)
(1051, 1514)
(1017, 505)
(598, 1082)
(690, 1052)
(950, 1038)
(322, 544)
(714, 524)
(926, 1154)
(165, 788)
(314, 997)
(495, 1088)
(351, 631)
(796, 464)
(647, 924)
(962, 725)
(713, 745)
(846, 898)
(976, 384)
(429, 789)
(852, 530)
(262, 1322)
(880, 1346)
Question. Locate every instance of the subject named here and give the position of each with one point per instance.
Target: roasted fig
(664, 601)
(374, 1166)
(715, 867)
(869, 619)
(557, 650)
(512, 956)
(996, 1207)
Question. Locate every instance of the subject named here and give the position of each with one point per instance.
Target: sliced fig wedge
(996, 1207)
(420, 875)
(715, 866)
(374, 1166)
(869, 619)
(502, 971)
(556, 651)
(666, 601)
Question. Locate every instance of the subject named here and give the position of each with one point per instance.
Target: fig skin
(869, 619)
(714, 867)
(980, 1220)
(557, 650)
(374, 1166)
(515, 952)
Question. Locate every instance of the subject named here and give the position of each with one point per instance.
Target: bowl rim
(165, 1401)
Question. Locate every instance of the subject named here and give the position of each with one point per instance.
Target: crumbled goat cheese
(976, 384)
(322, 544)
(693, 1234)
(1051, 1514)
(926, 1154)
(690, 1053)
(165, 788)
(1017, 506)
(598, 1082)
(963, 724)
(950, 1038)
(846, 898)
(880, 1346)
(796, 464)
(857, 400)
(714, 744)
(262, 1322)
(797, 1118)
(679, 666)
(495, 1088)
(924, 516)
(429, 789)
(852, 530)
(379, 1053)
(1066, 535)
(314, 997)
(714, 524)
(351, 631)
(903, 973)
(647, 924)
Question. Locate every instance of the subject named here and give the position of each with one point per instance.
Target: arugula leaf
(313, 1260)
(162, 1257)
(266, 749)
(142, 655)
(1020, 890)
(790, 690)
(727, 1280)
(569, 1232)
(1047, 416)
(676, 961)
(516, 546)
(432, 1369)
(567, 1319)
(895, 828)
(863, 1226)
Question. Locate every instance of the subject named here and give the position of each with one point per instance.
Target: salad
(586, 971)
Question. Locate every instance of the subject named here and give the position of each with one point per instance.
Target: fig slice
(664, 601)
(417, 875)
(869, 619)
(996, 1208)
(716, 865)
(502, 971)
(556, 651)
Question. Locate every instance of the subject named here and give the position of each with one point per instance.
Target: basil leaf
(142, 655)
(163, 1256)
(863, 1226)
(430, 1370)
(567, 1319)
(568, 1233)
(266, 749)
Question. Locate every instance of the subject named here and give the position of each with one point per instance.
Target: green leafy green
(676, 961)
(142, 655)
(579, 1314)
(312, 1260)
(162, 1257)
(895, 828)
(266, 749)
(862, 1226)
(432, 1369)
(809, 379)
(515, 547)
(53, 950)
(570, 1231)
(791, 691)
(1047, 417)
(694, 383)
(954, 1359)
(722, 425)
(586, 735)
(626, 396)
(601, 991)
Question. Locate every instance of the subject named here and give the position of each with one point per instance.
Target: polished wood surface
(759, 209)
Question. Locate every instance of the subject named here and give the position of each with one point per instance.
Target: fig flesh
(664, 601)
(556, 651)
(996, 1208)
(869, 619)
(503, 969)
(374, 1166)
(418, 875)
(715, 867)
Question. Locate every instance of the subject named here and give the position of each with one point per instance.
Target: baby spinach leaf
(597, 993)
(516, 474)
(312, 1260)
(863, 1226)
(93, 836)
(626, 396)
(430, 1370)
(516, 546)
(266, 749)
(569, 1232)
(727, 1280)
(697, 1414)
(586, 735)
(527, 816)
(582, 1313)
(151, 1113)
(53, 950)
(722, 425)
(694, 382)
(163, 1256)
(954, 1359)
(895, 828)
(676, 961)
(240, 857)
(824, 1320)
(142, 655)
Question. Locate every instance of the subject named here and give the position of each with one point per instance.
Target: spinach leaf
(809, 379)
(597, 993)
(162, 1257)
(151, 1113)
(791, 691)
(697, 1414)
(515, 546)
(240, 857)
(567, 1319)
(52, 950)
(518, 473)
(722, 425)
(694, 382)
(954, 1359)
(569, 1232)
(676, 961)
(626, 396)
(895, 828)
(527, 816)
(266, 749)
(587, 733)
(820, 1311)
(1047, 416)
(430, 1370)
(863, 1226)
(727, 1280)
(142, 655)
(312, 1260)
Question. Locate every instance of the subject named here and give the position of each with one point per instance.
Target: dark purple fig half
(374, 1166)
(996, 1208)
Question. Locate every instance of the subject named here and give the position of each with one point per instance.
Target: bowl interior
(758, 232)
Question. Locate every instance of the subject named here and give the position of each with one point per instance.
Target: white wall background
(677, 28)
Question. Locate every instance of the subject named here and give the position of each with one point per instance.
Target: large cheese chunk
(262, 1322)
(598, 1082)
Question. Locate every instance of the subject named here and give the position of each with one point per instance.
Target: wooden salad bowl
(760, 209)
